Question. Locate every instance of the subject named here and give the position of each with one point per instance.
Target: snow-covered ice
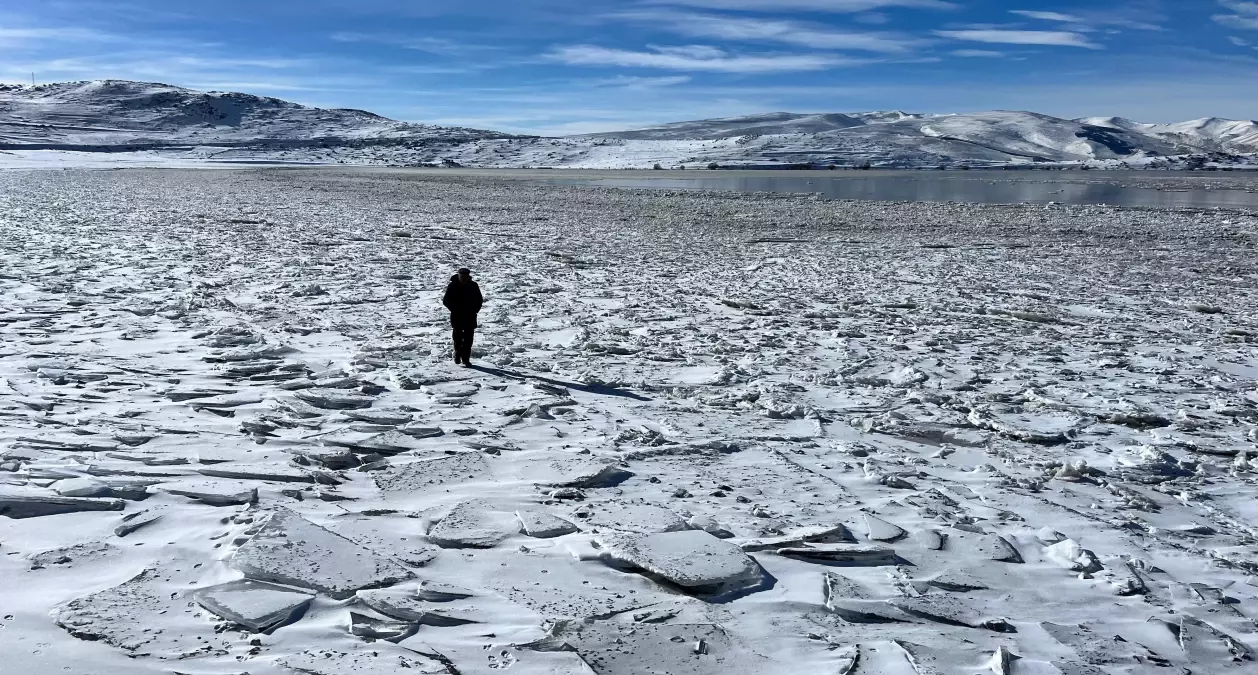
(703, 432)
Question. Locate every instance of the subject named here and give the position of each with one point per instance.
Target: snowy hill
(1210, 133)
(120, 113)
(880, 139)
(162, 123)
(757, 125)
(902, 139)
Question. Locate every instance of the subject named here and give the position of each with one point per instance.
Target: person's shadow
(598, 389)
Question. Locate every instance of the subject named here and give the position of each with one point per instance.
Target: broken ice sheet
(90, 554)
(951, 610)
(21, 502)
(631, 517)
(394, 536)
(1100, 648)
(125, 616)
(878, 529)
(855, 603)
(714, 375)
(581, 472)
(367, 659)
(562, 586)
(405, 604)
(138, 520)
(403, 479)
(473, 524)
(380, 629)
(333, 399)
(1045, 427)
(543, 525)
(610, 648)
(211, 492)
(987, 546)
(1203, 643)
(843, 555)
(691, 559)
(259, 606)
(291, 550)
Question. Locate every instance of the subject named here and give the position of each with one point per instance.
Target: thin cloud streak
(1245, 17)
(1237, 21)
(1133, 18)
(763, 30)
(978, 54)
(430, 44)
(1046, 16)
(56, 34)
(831, 6)
(1051, 38)
(695, 58)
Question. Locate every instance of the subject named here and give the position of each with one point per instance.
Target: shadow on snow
(597, 389)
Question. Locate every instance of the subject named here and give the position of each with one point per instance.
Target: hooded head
(464, 275)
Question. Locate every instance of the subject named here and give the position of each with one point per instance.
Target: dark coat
(461, 298)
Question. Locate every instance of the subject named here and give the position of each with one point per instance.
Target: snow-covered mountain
(173, 122)
(121, 113)
(1210, 133)
(904, 139)
(758, 125)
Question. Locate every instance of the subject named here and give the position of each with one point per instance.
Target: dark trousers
(464, 333)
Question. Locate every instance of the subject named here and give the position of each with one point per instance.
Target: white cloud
(1239, 42)
(17, 35)
(695, 58)
(1246, 14)
(1241, 6)
(766, 30)
(634, 82)
(1055, 38)
(1135, 17)
(1046, 16)
(432, 45)
(835, 6)
(978, 54)
(690, 51)
(1237, 21)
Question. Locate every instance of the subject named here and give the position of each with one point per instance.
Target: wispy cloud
(794, 33)
(1046, 16)
(116, 9)
(1135, 17)
(635, 82)
(1053, 38)
(978, 54)
(1239, 42)
(1245, 16)
(833, 6)
(59, 34)
(430, 44)
(695, 58)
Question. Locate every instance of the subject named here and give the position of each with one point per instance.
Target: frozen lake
(1118, 188)
(704, 433)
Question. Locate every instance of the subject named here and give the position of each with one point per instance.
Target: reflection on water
(979, 187)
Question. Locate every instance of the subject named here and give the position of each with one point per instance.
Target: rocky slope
(114, 114)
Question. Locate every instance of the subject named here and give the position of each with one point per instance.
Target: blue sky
(572, 66)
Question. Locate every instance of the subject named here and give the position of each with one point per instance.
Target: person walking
(464, 300)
